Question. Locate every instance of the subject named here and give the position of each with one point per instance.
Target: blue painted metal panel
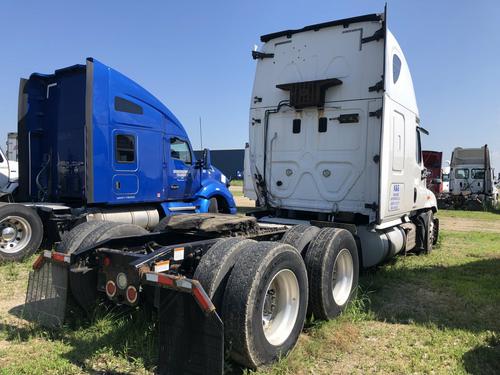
(106, 141)
(150, 126)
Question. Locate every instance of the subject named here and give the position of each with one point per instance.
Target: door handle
(117, 185)
(174, 187)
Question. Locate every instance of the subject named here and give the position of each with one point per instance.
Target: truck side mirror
(205, 161)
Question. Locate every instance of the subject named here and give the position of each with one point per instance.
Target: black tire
(435, 235)
(213, 206)
(109, 230)
(321, 258)
(22, 221)
(82, 279)
(428, 219)
(216, 265)
(300, 236)
(72, 239)
(246, 291)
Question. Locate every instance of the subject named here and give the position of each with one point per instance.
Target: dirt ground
(469, 225)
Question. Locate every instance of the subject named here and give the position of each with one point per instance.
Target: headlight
(223, 179)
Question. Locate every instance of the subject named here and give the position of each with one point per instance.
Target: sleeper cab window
(124, 105)
(396, 68)
(125, 148)
(180, 150)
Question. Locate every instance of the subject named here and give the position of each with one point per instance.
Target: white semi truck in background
(335, 162)
(9, 174)
(12, 146)
(471, 180)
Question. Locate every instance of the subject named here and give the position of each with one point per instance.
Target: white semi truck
(334, 160)
(472, 184)
(335, 134)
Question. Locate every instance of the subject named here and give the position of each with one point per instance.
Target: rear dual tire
(300, 236)
(264, 290)
(265, 303)
(333, 268)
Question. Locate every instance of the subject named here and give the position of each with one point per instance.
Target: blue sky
(195, 56)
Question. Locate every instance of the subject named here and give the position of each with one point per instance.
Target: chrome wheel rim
(343, 276)
(15, 234)
(281, 307)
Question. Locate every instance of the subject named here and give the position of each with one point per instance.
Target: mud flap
(47, 295)
(191, 342)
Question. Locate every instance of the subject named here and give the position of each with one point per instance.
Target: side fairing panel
(402, 185)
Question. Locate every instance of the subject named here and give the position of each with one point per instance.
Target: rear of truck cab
(354, 149)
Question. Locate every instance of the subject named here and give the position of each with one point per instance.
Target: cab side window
(180, 150)
(396, 68)
(125, 148)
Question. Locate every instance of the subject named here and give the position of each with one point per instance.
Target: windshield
(462, 173)
(478, 174)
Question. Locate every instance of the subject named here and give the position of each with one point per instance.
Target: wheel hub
(343, 276)
(281, 307)
(8, 234)
(15, 234)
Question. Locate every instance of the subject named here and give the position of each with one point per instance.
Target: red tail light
(131, 294)
(110, 289)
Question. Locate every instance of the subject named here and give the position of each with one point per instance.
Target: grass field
(419, 314)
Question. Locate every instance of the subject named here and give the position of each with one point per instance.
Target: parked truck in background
(335, 161)
(432, 163)
(446, 177)
(471, 180)
(96, 146)
(12, 149)
(9, 175)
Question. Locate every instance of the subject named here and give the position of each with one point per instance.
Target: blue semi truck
(96, 146)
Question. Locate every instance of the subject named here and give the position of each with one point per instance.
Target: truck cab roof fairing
(115, 81)
(398, 80)
(344, 22)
